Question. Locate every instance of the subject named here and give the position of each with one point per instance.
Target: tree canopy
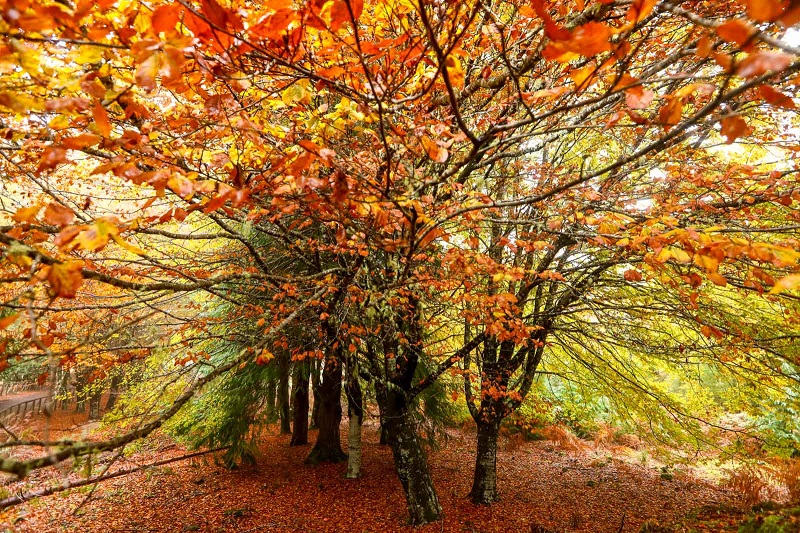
(492, 192)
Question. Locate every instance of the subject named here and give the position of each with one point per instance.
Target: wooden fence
(34, 405)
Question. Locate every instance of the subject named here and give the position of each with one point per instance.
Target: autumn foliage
(414, 194)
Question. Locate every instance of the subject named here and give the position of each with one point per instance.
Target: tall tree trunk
(410, 462)
(484, 483)
(300, 422)
(81, 378)
(328, 448)
(283, 394)
(384, 440)
(315, 383)
(355, 411)
(113, 391)
(272, 393)
(94, 405)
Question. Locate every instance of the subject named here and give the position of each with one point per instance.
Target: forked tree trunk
(328, 448)
(484, 483)
(355, 411)
(283, 394)
(300, 414)
(410, 463)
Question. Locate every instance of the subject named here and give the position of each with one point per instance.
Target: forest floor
(589, 489)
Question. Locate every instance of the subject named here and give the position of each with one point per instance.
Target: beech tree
(425, 186)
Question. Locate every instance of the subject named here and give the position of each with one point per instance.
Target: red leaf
(632, 275)
(339, 15)
(215, 13)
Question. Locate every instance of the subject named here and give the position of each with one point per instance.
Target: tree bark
(355, 411)
(300, 414)
(328, 448)
(113, 391)
(484, 484)
(410, 463)
(94, 405)
(315, 382)
(272, 392)
(283, 394)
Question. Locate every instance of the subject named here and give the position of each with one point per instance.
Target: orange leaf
(640, 9)
(775, 97)
(764, 10)
(434, 151)
(357, 6)
(7, 321)
(733, 128)
(100, 116)
(762, 62)
(590, 39)
(147, 71)
(717, 279)
(65, 278)
(81, 141)
(735, 31)
(58, 215)
(340, 14)
(704, 46)
(636, 97)
(670, 113)
(165, 17)
(26, 214)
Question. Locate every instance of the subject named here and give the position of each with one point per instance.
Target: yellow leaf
(680, 255)
(454, 71)
(128, 246)
(788, 283)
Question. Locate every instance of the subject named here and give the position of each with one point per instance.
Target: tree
(411, 166)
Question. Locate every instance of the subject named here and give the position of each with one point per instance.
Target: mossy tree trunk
(355, 412)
